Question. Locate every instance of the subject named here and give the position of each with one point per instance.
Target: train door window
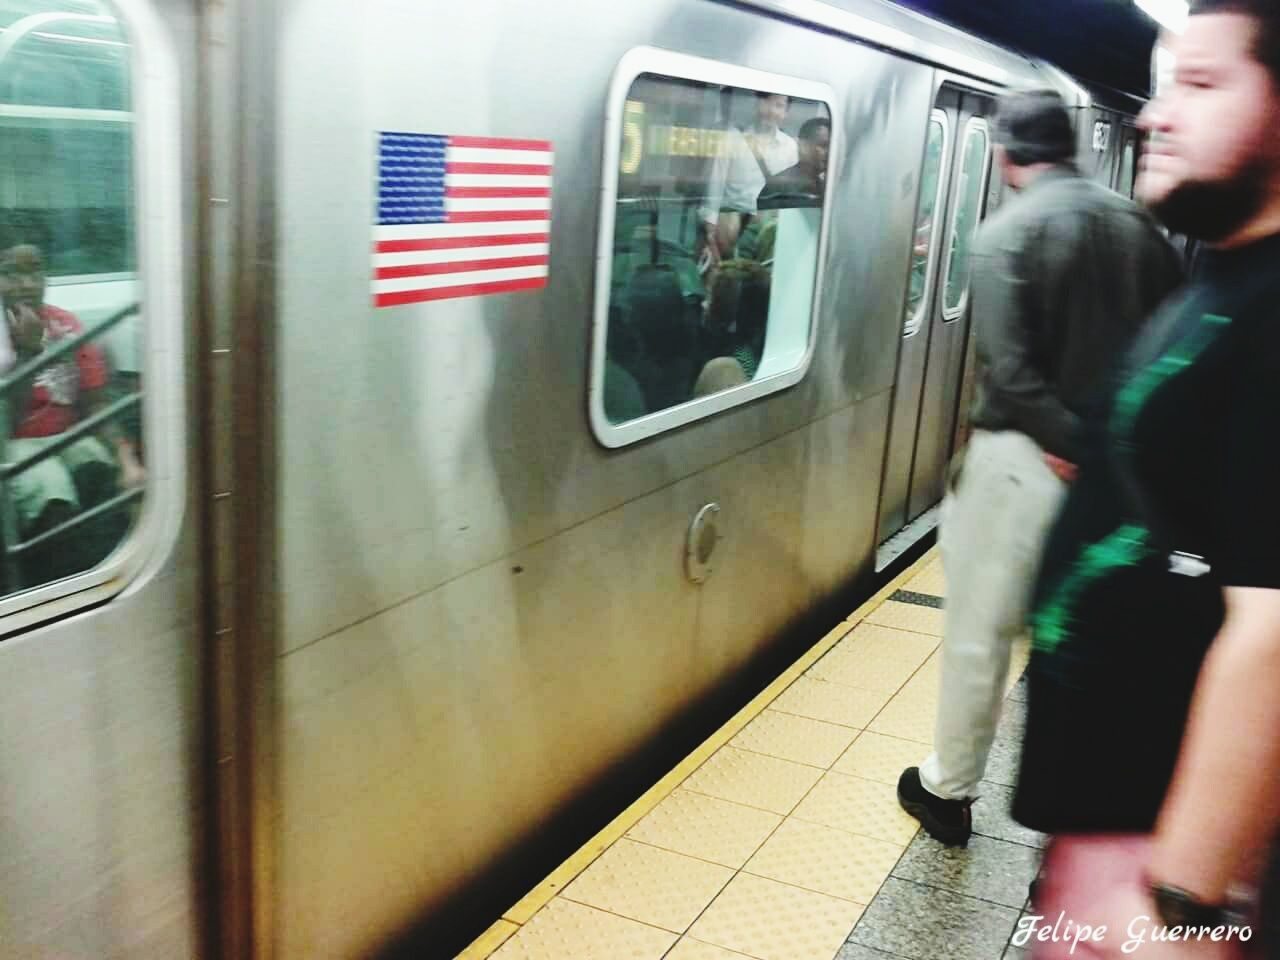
(72, 465)
(1126, 169)
(712, 233)
(923, 258)
(966, 215)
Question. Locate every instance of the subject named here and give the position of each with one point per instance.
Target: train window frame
(915, 322)
(157, 139)
(678, 66)
(952, 314)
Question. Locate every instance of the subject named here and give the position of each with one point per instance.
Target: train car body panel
(101, 740)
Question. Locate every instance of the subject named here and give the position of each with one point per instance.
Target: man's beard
(1213, 210)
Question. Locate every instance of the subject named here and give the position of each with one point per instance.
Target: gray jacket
(1063, 276)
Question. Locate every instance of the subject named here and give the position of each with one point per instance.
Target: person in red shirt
(59, 397)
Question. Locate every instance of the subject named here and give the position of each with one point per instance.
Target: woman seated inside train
(89, 470)
(737, 314)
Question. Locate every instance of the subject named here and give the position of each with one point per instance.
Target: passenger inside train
(717, 199)
(803, 183)
(57, 477)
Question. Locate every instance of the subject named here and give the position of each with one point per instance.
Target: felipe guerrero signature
(1140, 930)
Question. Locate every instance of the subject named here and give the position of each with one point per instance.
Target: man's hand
(1130, 920)
(1064, 470)
(711, 245)
(26, 328)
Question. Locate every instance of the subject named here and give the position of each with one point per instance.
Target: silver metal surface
(100, 733)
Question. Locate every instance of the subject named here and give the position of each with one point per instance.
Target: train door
(931, 364)
(949, 320)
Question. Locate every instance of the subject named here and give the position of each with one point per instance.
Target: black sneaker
(947, 821)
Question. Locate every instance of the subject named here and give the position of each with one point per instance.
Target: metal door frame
(236, 334)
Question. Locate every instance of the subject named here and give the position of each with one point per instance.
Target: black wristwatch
(1178, 908)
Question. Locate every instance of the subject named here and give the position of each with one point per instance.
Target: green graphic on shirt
(1121, 548)
(1131, 399)
(1128, 545)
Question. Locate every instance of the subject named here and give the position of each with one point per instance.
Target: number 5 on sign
(632, 136)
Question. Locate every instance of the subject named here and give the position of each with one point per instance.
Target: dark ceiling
(1106, 41)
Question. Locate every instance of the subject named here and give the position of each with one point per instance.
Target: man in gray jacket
(1063, 275)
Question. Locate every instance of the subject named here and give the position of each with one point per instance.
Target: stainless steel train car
(427, 405)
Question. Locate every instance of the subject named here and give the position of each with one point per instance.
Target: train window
(922, 248)
(716, 186)
(72, 469)
(1126, 169)
(964, 220)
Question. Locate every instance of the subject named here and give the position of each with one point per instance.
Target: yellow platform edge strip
(489, 941)
(559, 878)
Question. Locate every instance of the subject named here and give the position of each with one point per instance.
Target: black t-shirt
(1180, 498)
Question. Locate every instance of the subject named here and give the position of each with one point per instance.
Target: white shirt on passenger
(736, 178)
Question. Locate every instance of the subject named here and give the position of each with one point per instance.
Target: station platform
(781, 838)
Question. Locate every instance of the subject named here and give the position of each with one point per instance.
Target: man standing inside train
(1063, 275)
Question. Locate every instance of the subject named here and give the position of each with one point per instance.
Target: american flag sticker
(460, 217)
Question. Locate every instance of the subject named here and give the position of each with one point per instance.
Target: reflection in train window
(718, 215)
(922, 259)
(71, 470)
(964, 221)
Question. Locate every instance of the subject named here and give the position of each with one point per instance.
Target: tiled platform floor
(782, 838)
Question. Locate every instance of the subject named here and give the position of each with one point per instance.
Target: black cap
(1033, 126)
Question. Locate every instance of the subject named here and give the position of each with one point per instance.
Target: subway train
(426, 407)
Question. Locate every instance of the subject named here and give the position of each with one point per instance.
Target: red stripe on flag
(459, 243)
(501, 193)
(466, 290)
(500, 143)
(457, 266)
(518, 169)
(484, 216)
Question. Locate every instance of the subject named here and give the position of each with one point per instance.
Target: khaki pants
(992, 531)
(52, 478)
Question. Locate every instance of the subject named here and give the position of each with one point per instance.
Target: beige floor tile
(876, 658)
(706, 828)
(909, 716)
(688, 949)
(827, 860)
(874, 756)
(563, 929)
(930, 580)
(832, 702)
(858, 806)
(775, 921)
(766, 783)
(795, 738)
(644, 883)
(908, 616)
